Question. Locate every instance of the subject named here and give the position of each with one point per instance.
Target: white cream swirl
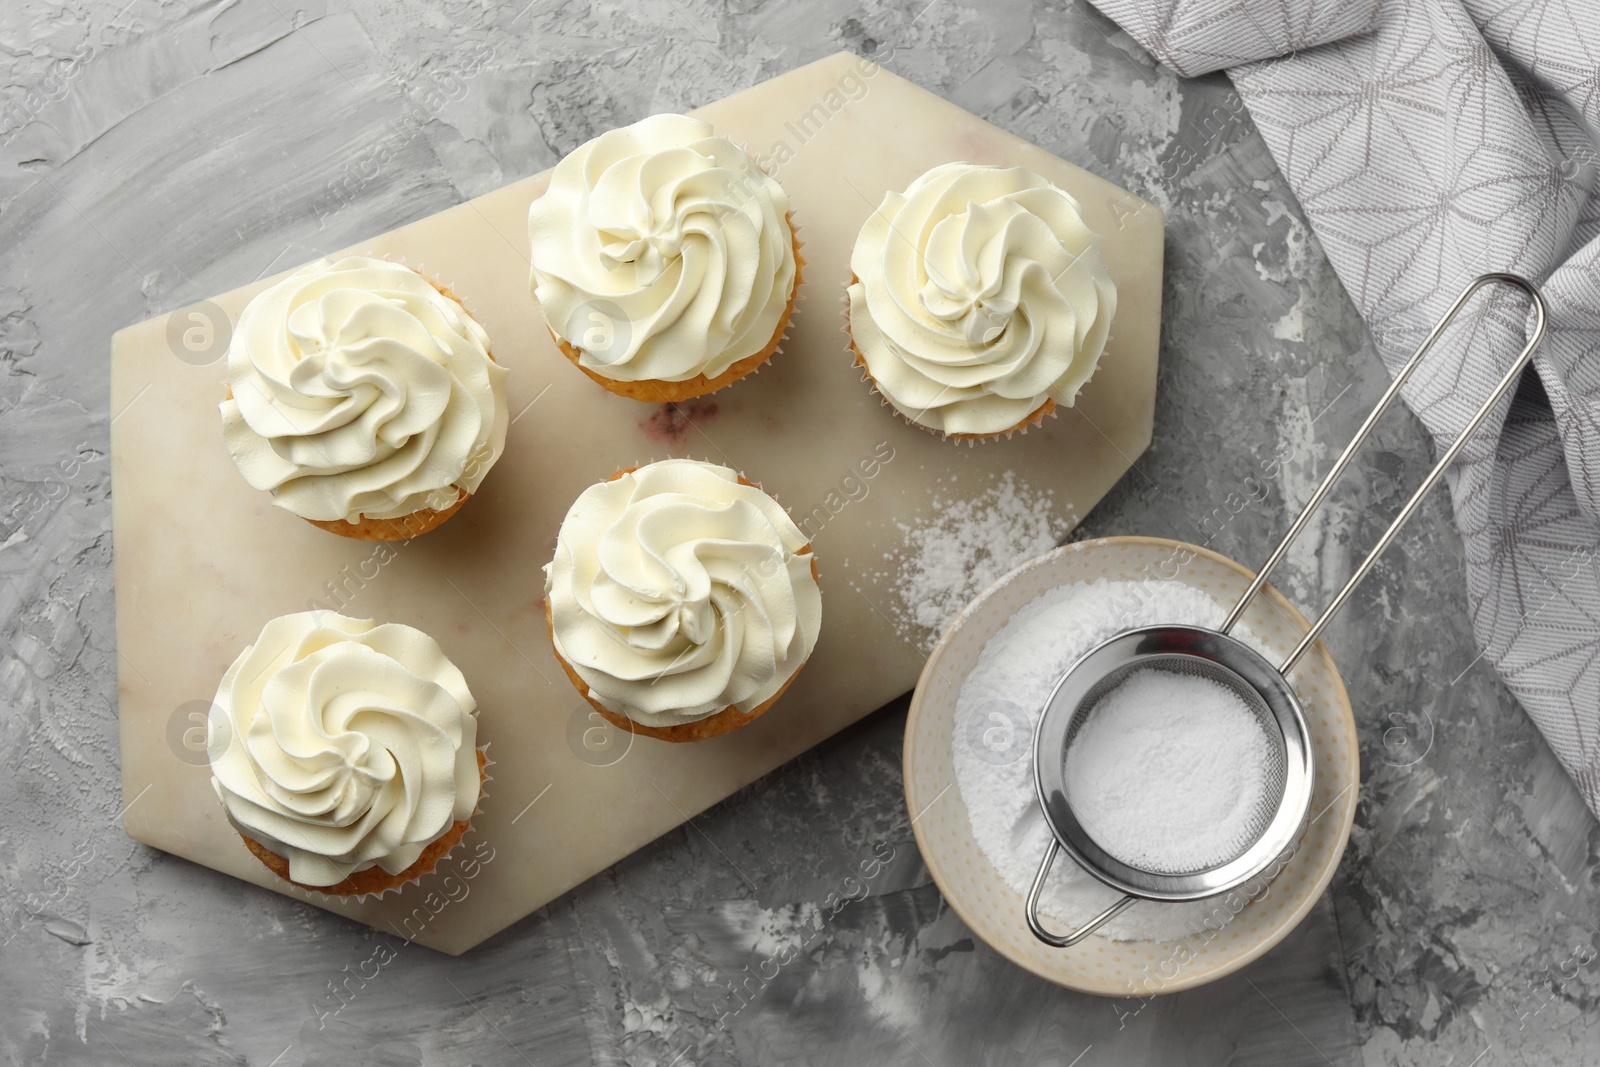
(361, 391)
(677, 591)
(661, 252)
(980, 295)
(340, 743)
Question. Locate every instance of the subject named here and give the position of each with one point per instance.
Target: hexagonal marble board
(202, 560)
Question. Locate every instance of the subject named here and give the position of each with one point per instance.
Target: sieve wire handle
(1506, 382)
(1071, 937)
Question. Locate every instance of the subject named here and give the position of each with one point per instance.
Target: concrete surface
(154, 153)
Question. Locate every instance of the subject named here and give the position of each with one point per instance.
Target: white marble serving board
(202, 560)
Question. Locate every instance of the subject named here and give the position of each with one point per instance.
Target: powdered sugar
(997, 710)
(969, 543)
(1169, 772)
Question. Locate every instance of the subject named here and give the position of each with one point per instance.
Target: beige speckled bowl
(993, 910)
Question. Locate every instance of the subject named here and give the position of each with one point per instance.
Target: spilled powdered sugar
(969, 543)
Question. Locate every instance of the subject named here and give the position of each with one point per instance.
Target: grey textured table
(155, 153)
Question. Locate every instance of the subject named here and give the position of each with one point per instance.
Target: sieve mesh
(1259, 818)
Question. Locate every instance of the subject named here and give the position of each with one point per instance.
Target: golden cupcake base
(402, 528)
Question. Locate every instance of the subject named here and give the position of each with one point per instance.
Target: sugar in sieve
(1277, 821)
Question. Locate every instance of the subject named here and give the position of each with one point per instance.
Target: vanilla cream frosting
(341, 743)
(980, 295)
(361, 391)
(677, 591)
(661, 252)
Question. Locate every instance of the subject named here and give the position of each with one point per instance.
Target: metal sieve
(1270, 830)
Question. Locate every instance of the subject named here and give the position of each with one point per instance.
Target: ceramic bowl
(994, 910)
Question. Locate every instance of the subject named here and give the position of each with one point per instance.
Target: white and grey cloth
(1430, 141)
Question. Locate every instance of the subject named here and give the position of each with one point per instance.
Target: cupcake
(978, 301)
(682, 599)
(664, 260)
(344, 752)
(363, 397)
